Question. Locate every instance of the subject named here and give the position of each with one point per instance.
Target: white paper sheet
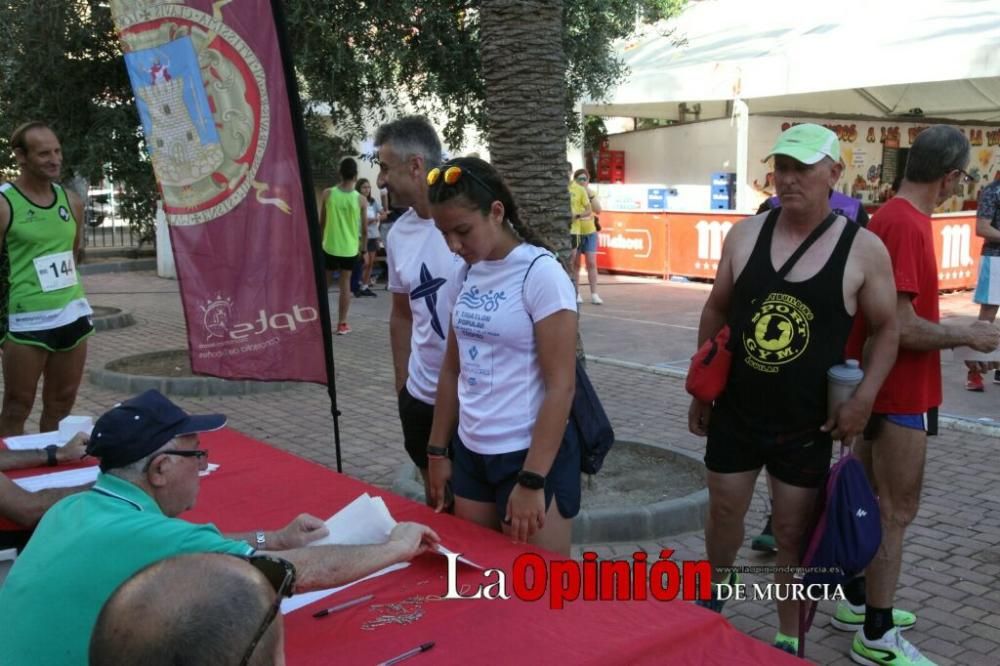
(36, 441)
(367, 520)
(211, 468)
(73, 477)
(65, 479)
(68, 427)
(299, 600)
(444, 551)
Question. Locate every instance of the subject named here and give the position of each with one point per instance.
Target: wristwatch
(530, 480)
(437, 451)
(260, 539)
(50, 453)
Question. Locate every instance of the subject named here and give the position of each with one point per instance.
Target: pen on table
(409, 653)
(343, 606)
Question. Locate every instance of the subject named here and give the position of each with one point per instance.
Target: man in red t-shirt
(895, 443)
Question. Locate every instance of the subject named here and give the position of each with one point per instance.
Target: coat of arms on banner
(203, 103)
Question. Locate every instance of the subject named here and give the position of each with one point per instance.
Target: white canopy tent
(903, 59)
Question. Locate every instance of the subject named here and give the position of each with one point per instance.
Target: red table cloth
(260, 486)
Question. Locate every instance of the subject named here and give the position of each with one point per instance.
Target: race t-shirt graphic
(473, 314)
(427, 291)
(778, 333)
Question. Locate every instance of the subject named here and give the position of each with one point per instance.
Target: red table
(259, 486)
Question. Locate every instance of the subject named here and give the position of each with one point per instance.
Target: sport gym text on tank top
(798, 331)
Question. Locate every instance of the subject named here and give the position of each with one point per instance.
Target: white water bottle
(842, 380)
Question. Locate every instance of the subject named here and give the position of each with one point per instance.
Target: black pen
(346, 604)
(409, 653)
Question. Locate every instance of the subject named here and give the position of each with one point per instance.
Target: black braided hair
(483, 194)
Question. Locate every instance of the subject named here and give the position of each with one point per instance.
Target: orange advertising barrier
(633, 243)
(695, 242)
(957, 248)
(690, 244)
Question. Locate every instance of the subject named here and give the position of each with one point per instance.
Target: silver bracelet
(261, 539)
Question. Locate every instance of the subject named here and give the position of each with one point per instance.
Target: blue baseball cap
(133, 429)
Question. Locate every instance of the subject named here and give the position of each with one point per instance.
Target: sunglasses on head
(450, 175)
(281, 575)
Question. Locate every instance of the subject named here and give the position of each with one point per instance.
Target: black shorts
(61, 339)
(491, 478)
(334, 263)
(798, 459)
(372, 245)
(416, 418)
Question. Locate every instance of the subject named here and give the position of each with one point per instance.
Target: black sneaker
(368, 292)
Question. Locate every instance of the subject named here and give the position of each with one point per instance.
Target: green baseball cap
(808, 143)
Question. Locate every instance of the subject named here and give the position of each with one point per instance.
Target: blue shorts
(587, 243)
(491, 478)
(988, 284)
(911, 421)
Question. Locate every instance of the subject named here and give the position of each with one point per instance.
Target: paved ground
(952, 558)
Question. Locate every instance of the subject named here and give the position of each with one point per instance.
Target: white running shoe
(892, 649)
(596, 300)
(579, 299)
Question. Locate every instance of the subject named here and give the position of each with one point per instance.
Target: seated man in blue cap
(87, 544)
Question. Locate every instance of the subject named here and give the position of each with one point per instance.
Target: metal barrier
(102, 229)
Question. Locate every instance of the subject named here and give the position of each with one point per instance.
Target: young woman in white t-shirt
(508, 376)
(375, 216)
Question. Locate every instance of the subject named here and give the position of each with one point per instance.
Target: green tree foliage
(61, 62)
(363, 56)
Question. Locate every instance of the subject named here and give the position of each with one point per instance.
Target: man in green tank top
(345, 233)
(45, 315)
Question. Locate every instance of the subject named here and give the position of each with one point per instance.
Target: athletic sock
(854, 590)
(877, 622)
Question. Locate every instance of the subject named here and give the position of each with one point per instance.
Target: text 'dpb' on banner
(210, 89)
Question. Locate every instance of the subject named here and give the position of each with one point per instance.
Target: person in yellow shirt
(583, 230)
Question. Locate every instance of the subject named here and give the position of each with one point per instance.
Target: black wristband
(530, 480)
(437, 451)
(50, 452)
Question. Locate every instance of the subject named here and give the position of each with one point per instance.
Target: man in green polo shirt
(87, 544)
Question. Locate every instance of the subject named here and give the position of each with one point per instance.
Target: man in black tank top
(773, 411)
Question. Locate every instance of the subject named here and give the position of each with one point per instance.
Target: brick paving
(952, 554)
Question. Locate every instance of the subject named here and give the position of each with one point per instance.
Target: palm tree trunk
(524, 68)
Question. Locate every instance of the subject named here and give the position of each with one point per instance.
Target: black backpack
(588, 423)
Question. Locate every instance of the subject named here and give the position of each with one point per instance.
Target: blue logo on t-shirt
(427, 290)
(475, 300)
(473, 353)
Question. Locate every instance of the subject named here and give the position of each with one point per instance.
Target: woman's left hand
(525, 512)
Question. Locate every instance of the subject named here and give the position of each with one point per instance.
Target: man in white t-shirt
(424, 277)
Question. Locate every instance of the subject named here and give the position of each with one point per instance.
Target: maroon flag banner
(211, 93)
